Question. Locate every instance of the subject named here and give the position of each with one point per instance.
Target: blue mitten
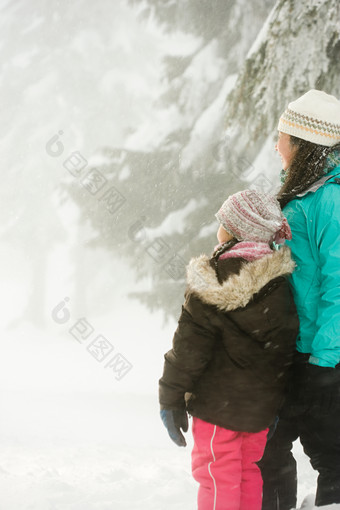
(174, 421)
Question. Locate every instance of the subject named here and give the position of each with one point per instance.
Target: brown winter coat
(234, 343)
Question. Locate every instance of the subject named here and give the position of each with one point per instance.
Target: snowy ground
(72, 436)
(90, 452)
(82, 441)
(95, 451)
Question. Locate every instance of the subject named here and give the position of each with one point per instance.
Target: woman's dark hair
(307, 167)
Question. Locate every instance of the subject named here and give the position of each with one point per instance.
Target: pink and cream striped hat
(252, 215)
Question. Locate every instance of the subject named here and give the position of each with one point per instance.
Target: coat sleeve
(326, 234)
(192, 349)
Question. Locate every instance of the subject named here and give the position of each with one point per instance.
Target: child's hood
(239, 288)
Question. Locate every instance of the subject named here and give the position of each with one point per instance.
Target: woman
(232, 352)
(309, 146)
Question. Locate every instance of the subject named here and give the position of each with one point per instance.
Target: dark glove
(320, 387)
(174, 421)
(272, 428)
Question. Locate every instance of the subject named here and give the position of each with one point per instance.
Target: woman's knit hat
(251, 215)
(315, 117)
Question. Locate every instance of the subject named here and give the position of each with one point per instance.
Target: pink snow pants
(223, 463)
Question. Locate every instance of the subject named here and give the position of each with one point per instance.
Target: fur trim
(238, 289)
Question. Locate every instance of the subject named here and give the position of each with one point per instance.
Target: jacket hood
(239, 288)
(329, 177)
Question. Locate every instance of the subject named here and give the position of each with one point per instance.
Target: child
(232, 351)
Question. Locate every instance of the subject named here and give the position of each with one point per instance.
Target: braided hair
(307, 167)
(223, 248)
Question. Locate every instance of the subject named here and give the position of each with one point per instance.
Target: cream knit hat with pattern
(315, 117)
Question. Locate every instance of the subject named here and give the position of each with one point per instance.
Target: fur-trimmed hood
(238, 289)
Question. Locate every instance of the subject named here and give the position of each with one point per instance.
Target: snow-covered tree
(170, 175)
(297, 49)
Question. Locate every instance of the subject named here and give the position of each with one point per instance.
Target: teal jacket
(314, 218)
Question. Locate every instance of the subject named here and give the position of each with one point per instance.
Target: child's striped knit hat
(315, 117)
(252, 215)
